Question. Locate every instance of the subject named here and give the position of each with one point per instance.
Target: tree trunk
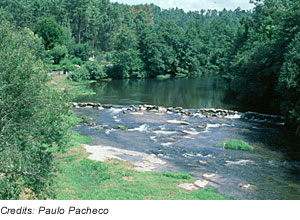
(79, 30)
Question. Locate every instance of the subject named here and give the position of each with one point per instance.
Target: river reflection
(190, 93)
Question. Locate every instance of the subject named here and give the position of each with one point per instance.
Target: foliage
(235, 145)
(90, 71)
(289, 83)
(127, 64)
(77, 61)
(49, 31)
(67, 64)
(79, 51)
(58, 53)
(33, 118)
(264, 67)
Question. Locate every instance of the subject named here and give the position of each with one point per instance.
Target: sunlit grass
(235, 145)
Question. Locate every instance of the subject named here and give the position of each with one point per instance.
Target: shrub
(96, 71)
(90, 71)
(235, 145)
(77, 61)
(67, 64)
(79, 74)
(58, 53)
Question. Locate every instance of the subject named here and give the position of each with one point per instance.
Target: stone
(142, 162)
(209, 175)
(247, 186)
(178, 122)
(192, 165)
(202, 162)
(162, 110)
(82, 104)
(107, 106)
(188, 186)
(201, 183)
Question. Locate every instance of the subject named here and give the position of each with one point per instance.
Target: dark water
(189, 93)
(272, 169)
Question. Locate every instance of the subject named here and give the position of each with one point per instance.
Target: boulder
(209, 175)
(201, 183)
(188, 186)
(202, 162)
(107, 106)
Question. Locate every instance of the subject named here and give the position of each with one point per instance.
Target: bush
(77, 61)
(67, 64)
(96, 71)
(235, 145)
(90, 71)
(79, 74)
(80, 51)
(58, 53)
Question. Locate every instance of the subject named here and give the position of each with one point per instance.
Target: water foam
(142, 128)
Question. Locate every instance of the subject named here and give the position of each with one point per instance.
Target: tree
(32, 117)
(77, 13)
(289, 83)
(50, 32)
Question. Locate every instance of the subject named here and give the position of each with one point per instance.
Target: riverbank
(79, 178)
(75, 89)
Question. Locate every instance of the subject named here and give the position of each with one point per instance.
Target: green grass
(180, 75)
(235, 145)
(60, 82)
(78, 178)
(166, 76)
(106, 80)
(123, 128)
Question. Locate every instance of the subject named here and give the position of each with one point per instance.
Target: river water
(270, 171)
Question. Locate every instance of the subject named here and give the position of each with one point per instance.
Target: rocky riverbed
(156, 138)
(204, 112)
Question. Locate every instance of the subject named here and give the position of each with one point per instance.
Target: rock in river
(178, 122)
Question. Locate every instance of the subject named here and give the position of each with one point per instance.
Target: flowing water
(270, 171)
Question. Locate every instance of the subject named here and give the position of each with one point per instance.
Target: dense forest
(257, 52)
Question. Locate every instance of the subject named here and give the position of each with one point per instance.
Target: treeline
(264, 69)
(130, 41)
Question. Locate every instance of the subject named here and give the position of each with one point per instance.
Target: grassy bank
(60, 82)
(79, 178)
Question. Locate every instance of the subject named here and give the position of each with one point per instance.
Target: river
(270, 171)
